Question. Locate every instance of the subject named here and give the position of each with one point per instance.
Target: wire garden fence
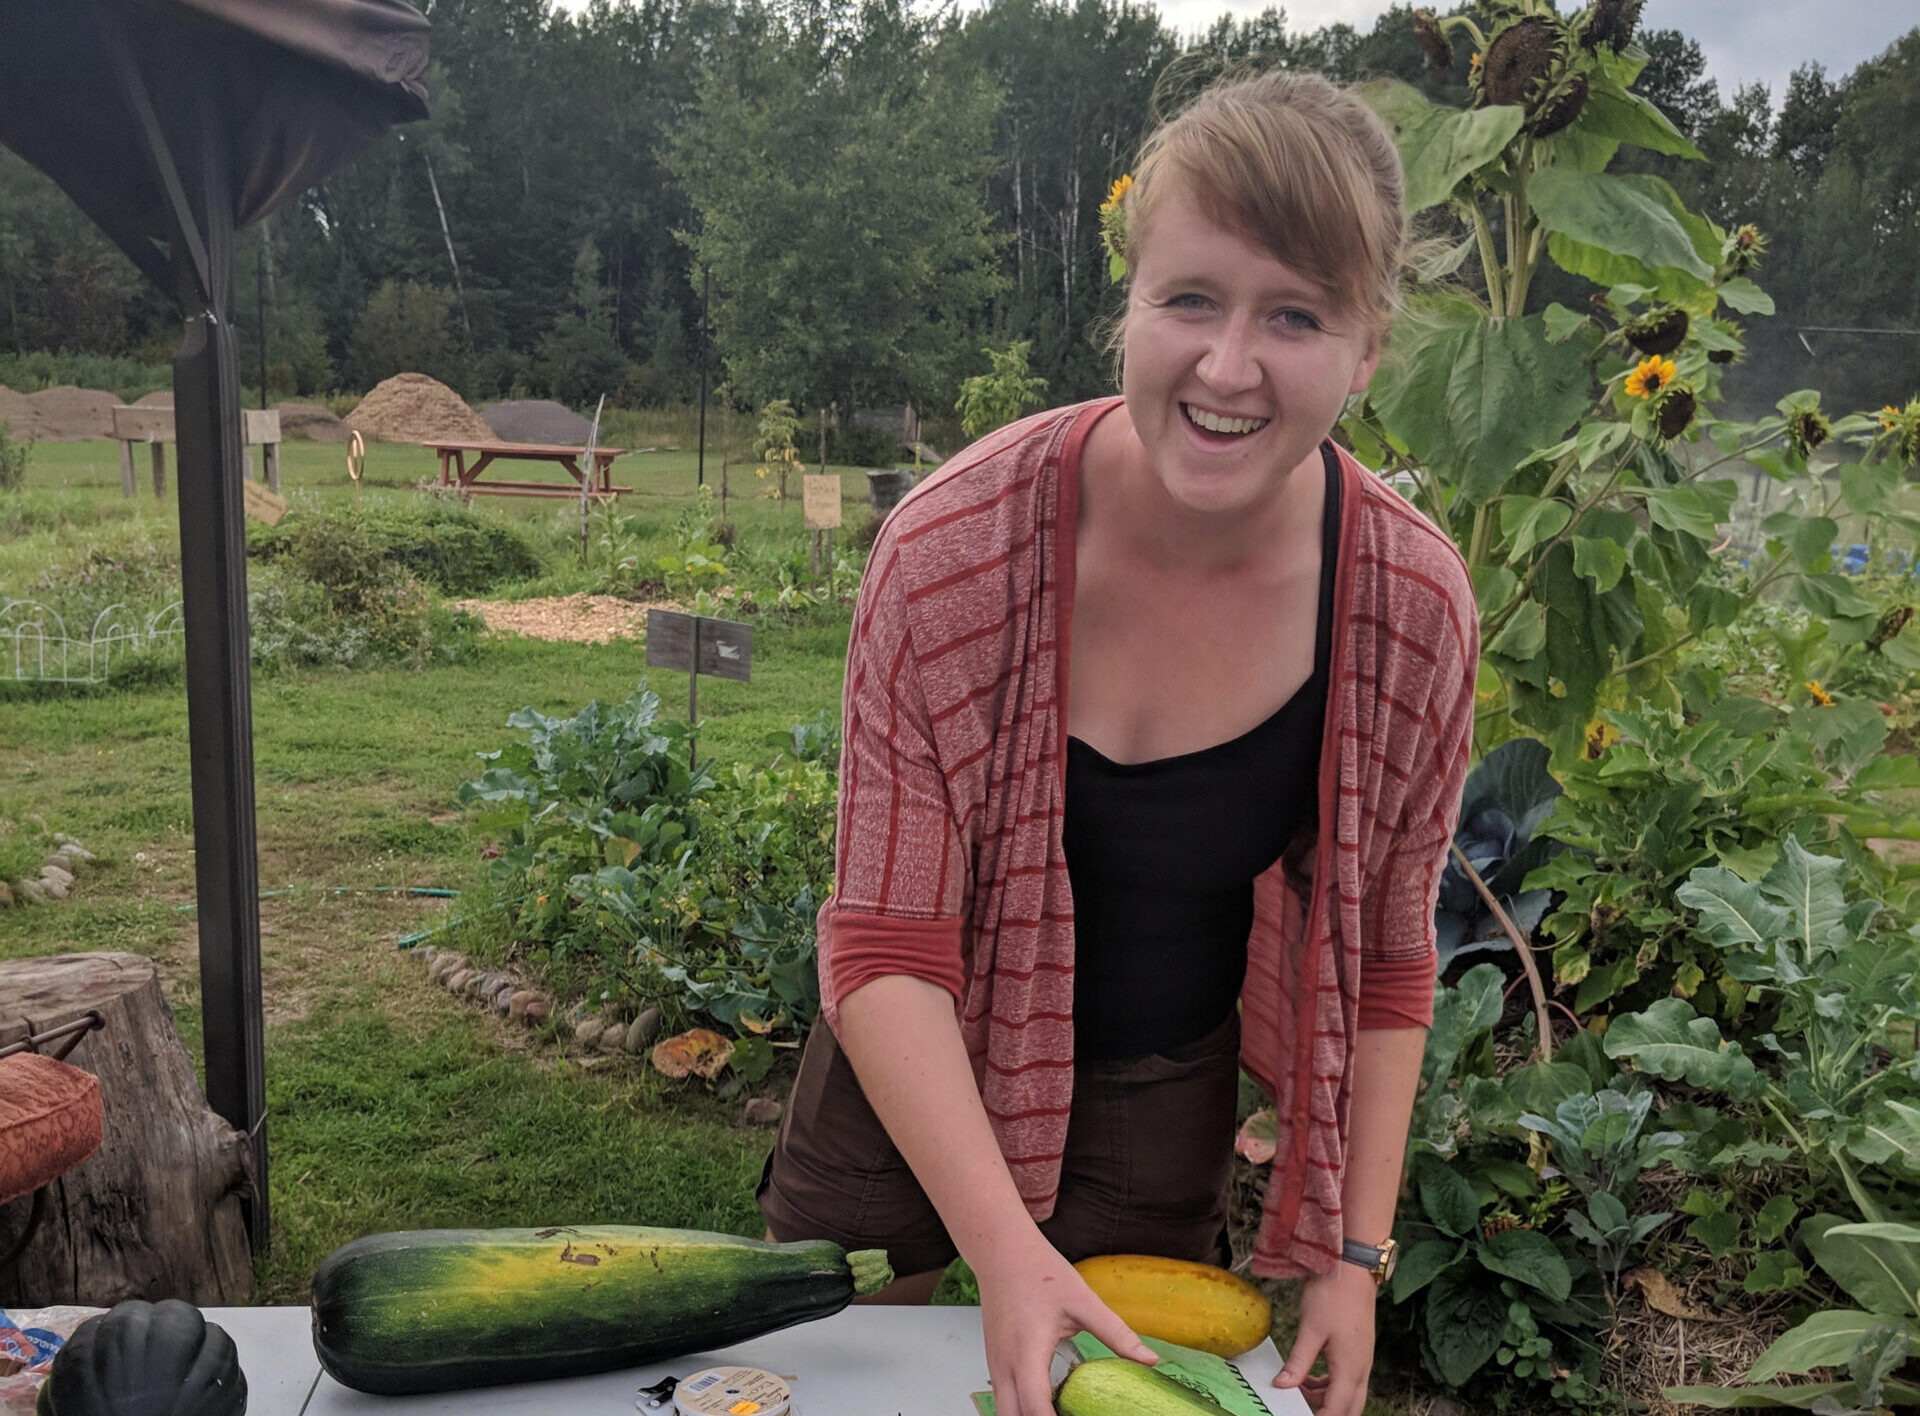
(37, 647)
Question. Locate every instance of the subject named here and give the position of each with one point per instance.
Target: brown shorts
(1148, 1164)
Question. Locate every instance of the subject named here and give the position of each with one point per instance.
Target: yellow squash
(1195, 1305)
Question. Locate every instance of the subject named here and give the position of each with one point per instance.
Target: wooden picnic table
(455, 473)
(864, 1361)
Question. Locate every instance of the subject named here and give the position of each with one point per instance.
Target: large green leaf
(1878, 1264)
(1421, 1264)
(1623, 116)
(1733, 914)
(1472, 396)
(1629, 216)
(1529, 1257)
(1824, 1340)
(1813, 888)
(1527, 521)
(1672, 1041)
(1599, 560)
(1448, 1198)
(1465, 1318)
(1892, 1135)
(1768, 1396)
(1448, 145)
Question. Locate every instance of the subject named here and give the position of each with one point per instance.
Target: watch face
(1389, 1259)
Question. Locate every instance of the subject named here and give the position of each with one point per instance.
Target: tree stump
(156, 1212)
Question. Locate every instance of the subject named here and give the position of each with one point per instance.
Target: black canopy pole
(706, 289)
(213, 556)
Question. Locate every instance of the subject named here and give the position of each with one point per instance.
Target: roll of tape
(733, 1391)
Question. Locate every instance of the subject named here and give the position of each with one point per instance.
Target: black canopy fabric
(173, 124)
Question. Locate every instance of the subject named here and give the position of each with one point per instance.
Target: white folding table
(864, 1361)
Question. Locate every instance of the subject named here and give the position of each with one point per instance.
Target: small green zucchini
(1114, 1386)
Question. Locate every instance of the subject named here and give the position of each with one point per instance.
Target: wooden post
(126, 469)
(159, 469)
(270, 454)
(156, 1212)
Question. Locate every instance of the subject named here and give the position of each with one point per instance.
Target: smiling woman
(1157, 712)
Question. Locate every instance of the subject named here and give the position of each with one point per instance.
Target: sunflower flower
(1820, 695)
(1113, 227)
(1649, 376)
(1889, 416)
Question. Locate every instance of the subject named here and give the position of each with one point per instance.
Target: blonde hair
(1295, 164)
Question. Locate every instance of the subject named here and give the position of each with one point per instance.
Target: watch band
(1365, 1255)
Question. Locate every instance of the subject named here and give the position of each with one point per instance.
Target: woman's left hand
(1336, 1317)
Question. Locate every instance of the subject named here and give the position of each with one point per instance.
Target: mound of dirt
(159, 398)
(415, 408)
(312, 421)
(536, 420)
(20, 416)
(69, 414)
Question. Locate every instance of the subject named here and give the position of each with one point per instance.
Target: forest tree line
(869, 195)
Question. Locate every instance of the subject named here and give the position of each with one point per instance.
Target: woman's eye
(1298, 320)
(1188, 301)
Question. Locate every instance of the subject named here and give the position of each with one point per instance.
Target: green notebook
(1213, 1376)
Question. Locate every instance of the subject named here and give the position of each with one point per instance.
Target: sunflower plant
(1576, 455)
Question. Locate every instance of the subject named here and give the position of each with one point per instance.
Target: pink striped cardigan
(950, 865)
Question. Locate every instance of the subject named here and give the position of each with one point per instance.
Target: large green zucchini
(445, 1309)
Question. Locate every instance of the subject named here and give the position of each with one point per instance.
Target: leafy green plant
(14, 457)
(1843, 1087)
(443, 543)
(773, 444)
(1600, 1144)
(1483, 1284)
(1004, 393)
(1503, 804)
(1574, 455)
(1878, 1266)
(1666, 796)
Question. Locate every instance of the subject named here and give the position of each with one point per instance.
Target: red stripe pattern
(950, 866)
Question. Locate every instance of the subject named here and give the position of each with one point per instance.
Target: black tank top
(1162, 857)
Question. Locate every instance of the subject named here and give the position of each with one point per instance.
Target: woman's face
(1235, 366)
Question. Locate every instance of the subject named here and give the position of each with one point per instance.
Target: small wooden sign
(820, 501)
(263, 503)
(721, 648)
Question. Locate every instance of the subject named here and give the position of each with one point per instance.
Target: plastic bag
(29, 1338)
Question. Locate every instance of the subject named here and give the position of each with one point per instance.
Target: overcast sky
(1744, 40)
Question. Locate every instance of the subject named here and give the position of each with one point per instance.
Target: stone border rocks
(56, 879)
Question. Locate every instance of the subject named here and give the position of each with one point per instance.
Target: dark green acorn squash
(146, 1359)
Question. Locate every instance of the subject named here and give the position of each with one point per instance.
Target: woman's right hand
(1030, 1300)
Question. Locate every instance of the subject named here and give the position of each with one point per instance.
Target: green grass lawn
(390, 1105)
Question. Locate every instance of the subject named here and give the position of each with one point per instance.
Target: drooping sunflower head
(1807, 429)
(1742, 251)
(1650, 375)
(1819, 694)
(1660, 330)
(1673, 414)
(1532, 62)
(1433, 39)
(1610, 22)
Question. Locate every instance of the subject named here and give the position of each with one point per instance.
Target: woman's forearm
(1386, 1078)
(904, 1042)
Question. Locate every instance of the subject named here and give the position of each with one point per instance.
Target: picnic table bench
(863, 1361)
(456, 474)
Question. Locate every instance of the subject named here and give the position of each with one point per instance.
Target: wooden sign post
(696, 645)
(820, 513)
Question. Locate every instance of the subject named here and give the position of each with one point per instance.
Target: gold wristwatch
(1378, 1262)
